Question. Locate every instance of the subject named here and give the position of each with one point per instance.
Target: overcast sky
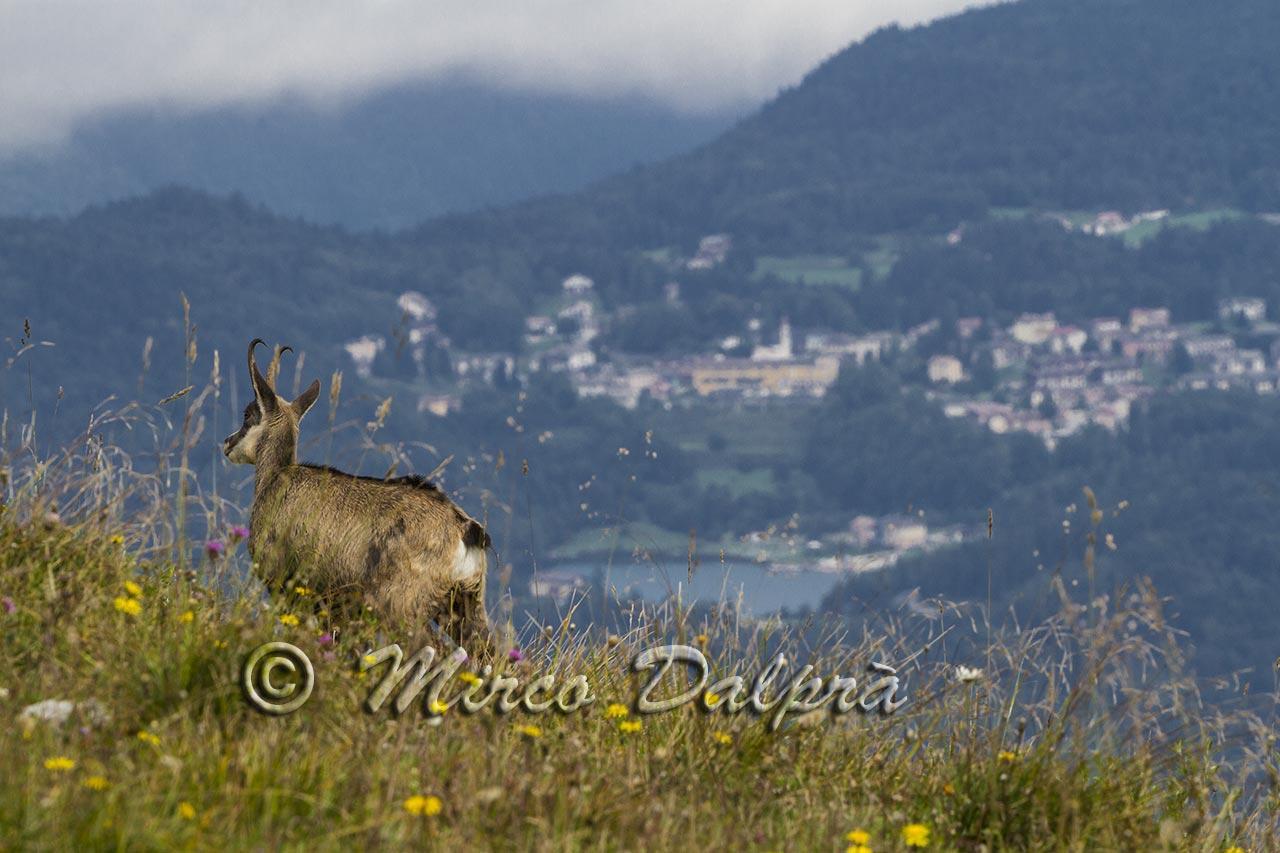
(62, 61)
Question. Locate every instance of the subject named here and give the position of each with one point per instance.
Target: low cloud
(61, 61)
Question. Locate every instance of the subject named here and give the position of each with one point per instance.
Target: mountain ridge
(387, 160)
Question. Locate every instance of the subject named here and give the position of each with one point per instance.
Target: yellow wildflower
(301, 590)
(147, 737)
(59, 763)
(723, 738)
(615, 711)
(701, 639)
(117, 539)
(629, 726)
(710, 699)
(188, 616)
(1234, 848)
(186, 811)
(437, 707)
(857, 848)
(369, 660)
(96, 783)
(426, 806)
(128, 606)
(288, 619)
(949, 789)
(467, 677)
(858, 836)
(529, 731)
(133, 589)
(915, 835)
(1007, 756)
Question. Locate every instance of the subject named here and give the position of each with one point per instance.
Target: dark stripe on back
(415, 481)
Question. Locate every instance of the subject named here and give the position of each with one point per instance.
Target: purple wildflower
(239, 532)
(214, 549)
(515, 655)
(8, 605)
(326, 639)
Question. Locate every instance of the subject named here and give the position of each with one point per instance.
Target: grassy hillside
(120, 664)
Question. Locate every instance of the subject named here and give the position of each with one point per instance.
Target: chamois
(397, 545)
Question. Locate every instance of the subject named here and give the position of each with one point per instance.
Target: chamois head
(270, 429)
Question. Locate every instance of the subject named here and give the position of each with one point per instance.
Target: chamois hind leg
(403, 606)
(476, 630)
(463, 618)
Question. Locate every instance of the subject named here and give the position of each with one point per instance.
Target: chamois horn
(273, 369)
(261, 388)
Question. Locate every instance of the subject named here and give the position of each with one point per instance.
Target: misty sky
(62, 61)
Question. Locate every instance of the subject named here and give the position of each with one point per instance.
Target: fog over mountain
(64, 62)
(388, 160)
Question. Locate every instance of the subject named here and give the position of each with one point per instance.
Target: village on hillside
(1035, 375)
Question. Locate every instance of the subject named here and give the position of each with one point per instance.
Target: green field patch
(663, 256)
(880, 261)
(1199, 221)
(623, 541)
(737, 482)
(749, 437)
(809, 269)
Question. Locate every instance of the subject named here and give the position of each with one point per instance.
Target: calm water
(762, 592)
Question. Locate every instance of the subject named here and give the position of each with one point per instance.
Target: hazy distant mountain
(389, 160)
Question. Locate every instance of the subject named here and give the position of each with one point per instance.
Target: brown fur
(392, 545)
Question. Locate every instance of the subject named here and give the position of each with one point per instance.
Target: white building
(1107, 222)
(416, 306)
(1033, 329)
(860, 347)
(1068, 339)
(1148, 318)
(903, 532)
(1245, 307)
(781, 351)
(712, 250)
(1240, 362)
(946, 368)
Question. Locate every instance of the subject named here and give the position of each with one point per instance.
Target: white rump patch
(468, 563)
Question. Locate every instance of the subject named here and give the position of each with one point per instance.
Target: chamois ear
(262, 389)
(306, 399)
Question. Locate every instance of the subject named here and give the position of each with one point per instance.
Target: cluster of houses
(771, 370)
(870, 543)
(1051, 379)
(1056, 379)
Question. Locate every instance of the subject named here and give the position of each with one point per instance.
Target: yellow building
(778, 378)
